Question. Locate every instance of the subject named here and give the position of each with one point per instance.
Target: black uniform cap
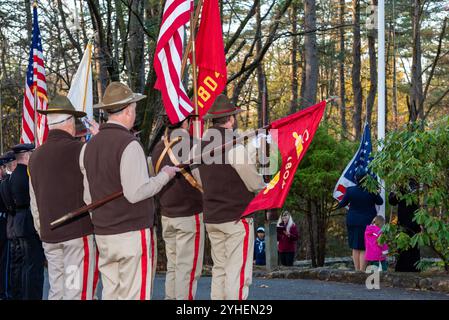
(23, 147)
(7, 158)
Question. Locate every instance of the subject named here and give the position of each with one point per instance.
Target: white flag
(80, 93)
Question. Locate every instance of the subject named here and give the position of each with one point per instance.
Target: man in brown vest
(56, 187)
(182, 219)
(229, 181)
(113, 161)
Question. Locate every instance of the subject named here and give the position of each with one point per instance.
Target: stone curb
(415, 281)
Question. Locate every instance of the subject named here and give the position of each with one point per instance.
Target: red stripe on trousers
(245, 257)
(195, 254)
(144, 267)
(152, 255)
(96, 273)
(85, 268)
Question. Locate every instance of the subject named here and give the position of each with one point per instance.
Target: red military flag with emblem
(294, 135)
(210, 57)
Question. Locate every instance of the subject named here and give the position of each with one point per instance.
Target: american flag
(168, 59)
(360, 160)
(35, 84)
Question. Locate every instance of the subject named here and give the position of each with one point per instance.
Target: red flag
(210, 57)
(294, 135)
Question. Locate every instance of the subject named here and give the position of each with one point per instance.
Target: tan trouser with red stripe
(72, 269)
(232, 252)
(127, 263)
(184, 247)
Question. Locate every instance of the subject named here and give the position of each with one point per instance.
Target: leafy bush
(421, 154)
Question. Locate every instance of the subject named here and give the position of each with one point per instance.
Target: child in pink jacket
(375, 253)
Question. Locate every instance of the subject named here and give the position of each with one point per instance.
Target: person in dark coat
(259, 247)
(3, 238)
(407, 258)
(28, 253)
(362, 210)
(12, 282)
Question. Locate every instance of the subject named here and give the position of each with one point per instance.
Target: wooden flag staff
(190, 162)
(189, 44)
(193, 161)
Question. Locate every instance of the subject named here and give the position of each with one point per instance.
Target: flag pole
(35, 114)
(196, 121)
(89, 48)
(190, 162)
(381, 87)
(189, 44)
(35, 94)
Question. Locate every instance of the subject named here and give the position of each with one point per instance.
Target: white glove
(171, 171)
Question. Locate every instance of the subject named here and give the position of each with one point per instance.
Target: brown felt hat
(118, 96)
(222, 107)
(62, 105)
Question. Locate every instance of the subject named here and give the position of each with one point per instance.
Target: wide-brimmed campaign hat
(117, 97)
(62, 105)
(222, 107)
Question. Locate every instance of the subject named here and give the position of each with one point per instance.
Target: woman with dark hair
(362, 210)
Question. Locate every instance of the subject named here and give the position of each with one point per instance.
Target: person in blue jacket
(259, 247)
(362, 210)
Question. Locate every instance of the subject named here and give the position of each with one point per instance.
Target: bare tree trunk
(303, 76)
(309, 215)
(321, 227)
(311, 53)
(294, 58)
(259, 69)
(136, 48)
(372, 72)
(356, 60)
(29, 15)
(344, 127)
(416, 108)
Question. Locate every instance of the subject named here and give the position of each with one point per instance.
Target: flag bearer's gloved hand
(171, 171)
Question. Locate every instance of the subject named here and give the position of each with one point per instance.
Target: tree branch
(242, 25)
(437, 57)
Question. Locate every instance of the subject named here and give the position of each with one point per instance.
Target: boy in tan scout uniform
(182, 219)
(114, 160)
(56, 187)
(229, 185)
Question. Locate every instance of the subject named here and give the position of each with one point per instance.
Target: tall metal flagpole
(381, 86)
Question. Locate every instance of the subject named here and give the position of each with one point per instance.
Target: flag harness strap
(167, 150)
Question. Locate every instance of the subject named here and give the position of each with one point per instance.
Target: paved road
(286, 289)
